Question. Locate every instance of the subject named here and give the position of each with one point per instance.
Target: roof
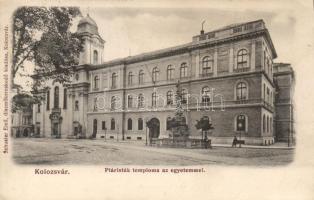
(87, 20)
(188, 47)
(87, 25)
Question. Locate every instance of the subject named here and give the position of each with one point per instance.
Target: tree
(204, 124)
(23, 102)
(42, 36)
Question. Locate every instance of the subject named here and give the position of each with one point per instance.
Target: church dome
(87, 25)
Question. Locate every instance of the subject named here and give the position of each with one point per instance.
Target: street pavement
(45, 151)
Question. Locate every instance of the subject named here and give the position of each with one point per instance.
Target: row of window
(267, 63)
(56, 97)
(241, 94)
(113, 124)
(207, 68)
(267, 94)
(267, 124)
(240, 123)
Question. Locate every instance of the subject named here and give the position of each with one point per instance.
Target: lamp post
(105, 133)
(117, 132)
(146, 134)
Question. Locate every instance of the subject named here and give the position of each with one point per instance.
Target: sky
(130, 31)
(134, 30)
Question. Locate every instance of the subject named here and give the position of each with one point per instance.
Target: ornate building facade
(226, 75)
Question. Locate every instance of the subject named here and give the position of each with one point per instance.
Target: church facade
(226, 75)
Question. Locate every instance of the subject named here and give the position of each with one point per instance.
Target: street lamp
(146, 133)
(117, 131)
(105, 132)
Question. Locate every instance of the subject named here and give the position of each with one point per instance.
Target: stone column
(231, 59)
(215, 61)
(253, 56)
(70, 107)
(197, 65)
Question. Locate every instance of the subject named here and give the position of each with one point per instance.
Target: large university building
(227, 75)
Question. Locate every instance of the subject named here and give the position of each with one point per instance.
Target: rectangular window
(211, 35)
(103, 125)
(38, 108)
(237, 29)
(48, 100)
(65, 98)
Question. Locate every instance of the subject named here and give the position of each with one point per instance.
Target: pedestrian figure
(206, 141)
(235, 141)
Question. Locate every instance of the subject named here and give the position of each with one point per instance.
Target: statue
(178, 125)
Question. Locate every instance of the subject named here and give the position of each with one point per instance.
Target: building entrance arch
(154, 129)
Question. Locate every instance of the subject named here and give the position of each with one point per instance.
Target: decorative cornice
(186, 48)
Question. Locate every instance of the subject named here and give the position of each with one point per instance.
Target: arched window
(95, 57)
(130, 78)
(140, 124)
(113, 103)
(155, 74)
(184, 94)
(95, 104)
(183, 70)
(65, 98)
(241, 123)
(114, 80)
(154, 99)
(264, 124)
(130, 101)
(94, 127)
(169, 97)
(129, 124)
(96, 82)
(267, 124)
(56, 97)
(170, 72)
(48, 100)
(207, 65)
(168, 125)
(140, 100)
(113, 124)
(242, 59)
(241, 91)
(141, 77)
(205, 95)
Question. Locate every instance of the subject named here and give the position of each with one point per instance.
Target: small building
(284, 110)
(21, 115)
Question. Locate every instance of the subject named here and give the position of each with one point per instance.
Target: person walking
(234, 142)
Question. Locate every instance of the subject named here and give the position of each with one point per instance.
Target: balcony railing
(238, 70)
(56, 110)
(206, 74)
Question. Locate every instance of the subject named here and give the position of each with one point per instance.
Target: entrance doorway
(154, 130)
(94, 128)
(55, 129)
(25, 133)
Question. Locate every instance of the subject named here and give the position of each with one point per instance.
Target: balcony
(56, 110)
(203, 75)
(239, 70)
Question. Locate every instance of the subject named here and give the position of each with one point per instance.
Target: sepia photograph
(126, 99)
(156, 87)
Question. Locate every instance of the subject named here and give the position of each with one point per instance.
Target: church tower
(93, 43)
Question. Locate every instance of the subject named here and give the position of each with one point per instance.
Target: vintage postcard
(156, 100)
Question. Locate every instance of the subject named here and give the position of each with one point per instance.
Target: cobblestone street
(96, 152)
